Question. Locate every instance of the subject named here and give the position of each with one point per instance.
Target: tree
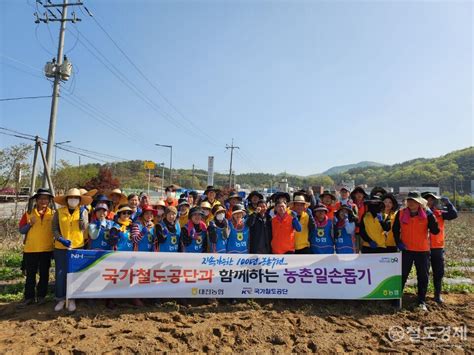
(104, 181)
(68, 176)
(10, 158)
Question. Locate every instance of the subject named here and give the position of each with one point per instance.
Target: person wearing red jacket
(447, 212)
(411, 228)
(284, 225)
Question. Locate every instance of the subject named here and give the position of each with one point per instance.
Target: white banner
(107, 274)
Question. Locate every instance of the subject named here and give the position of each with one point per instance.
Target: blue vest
(100, 242)
(197, 242)
(170, 245)
(344, 241)
(321, 240)
(136, 214)
(238, 240)
(221, 244)
(124, 242)
(148, 241)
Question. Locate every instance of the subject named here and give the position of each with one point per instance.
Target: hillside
(343, 168)
(455, 167)
(440, 171)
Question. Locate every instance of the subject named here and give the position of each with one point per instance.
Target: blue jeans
(60, 258)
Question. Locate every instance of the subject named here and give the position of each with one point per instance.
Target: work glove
(65, 242)
(401, 246)
(373, 244)
(445, 200)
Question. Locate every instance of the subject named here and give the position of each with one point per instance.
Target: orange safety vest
(283, 234)
(360, 214)
(414, 234)
(331, 210)
(437, 240)
(174, 203)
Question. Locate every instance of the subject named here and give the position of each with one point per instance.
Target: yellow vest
(390, 241)
(374, 230)
(69, 227)
(183, 220)
(40, 236)
(302, 238)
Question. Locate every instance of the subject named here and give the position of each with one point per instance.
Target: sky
(300, 86)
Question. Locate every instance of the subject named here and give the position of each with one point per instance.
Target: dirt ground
(263, 326)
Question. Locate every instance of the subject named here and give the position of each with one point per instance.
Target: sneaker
(439, 299)
(422, 307)
(25, 303)
(71, 307)
(59, 306)
(41, 300)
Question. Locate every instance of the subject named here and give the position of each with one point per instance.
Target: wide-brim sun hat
(42, 192)
(148, 208)
(124, 209)
(299, 199)
(327, 193)
(123, 197)
(358, 189)
(392, 198)
(90, 193)
(320, 208)
(74, 192)
(255, 193)
(238, 209)
(416, 196)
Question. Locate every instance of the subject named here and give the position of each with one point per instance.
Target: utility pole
(58, 69)
(192, 179)
(231, 147)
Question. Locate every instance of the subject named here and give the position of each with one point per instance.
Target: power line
(70, 149)
(82, 105)
(127, 82)
(24, 98)
(145, 77)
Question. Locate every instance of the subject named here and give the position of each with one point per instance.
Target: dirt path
(286, 326)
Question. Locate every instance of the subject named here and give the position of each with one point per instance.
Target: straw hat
(160, 203)
(299, 199)
(62, 199)
(88, 193)
(206, 205)
(124, 209)
(123, 197)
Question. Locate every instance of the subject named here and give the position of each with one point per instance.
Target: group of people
(212, 223)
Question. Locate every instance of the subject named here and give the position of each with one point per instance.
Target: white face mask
(73, 202)
(170, 194)
(160, 212)
(220, 217)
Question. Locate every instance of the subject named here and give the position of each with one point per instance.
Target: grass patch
(8, 273)
(459, 288)
(11, 258)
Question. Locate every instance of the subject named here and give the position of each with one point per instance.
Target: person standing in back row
(447, 212)
(284, 224)
(411, 228)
